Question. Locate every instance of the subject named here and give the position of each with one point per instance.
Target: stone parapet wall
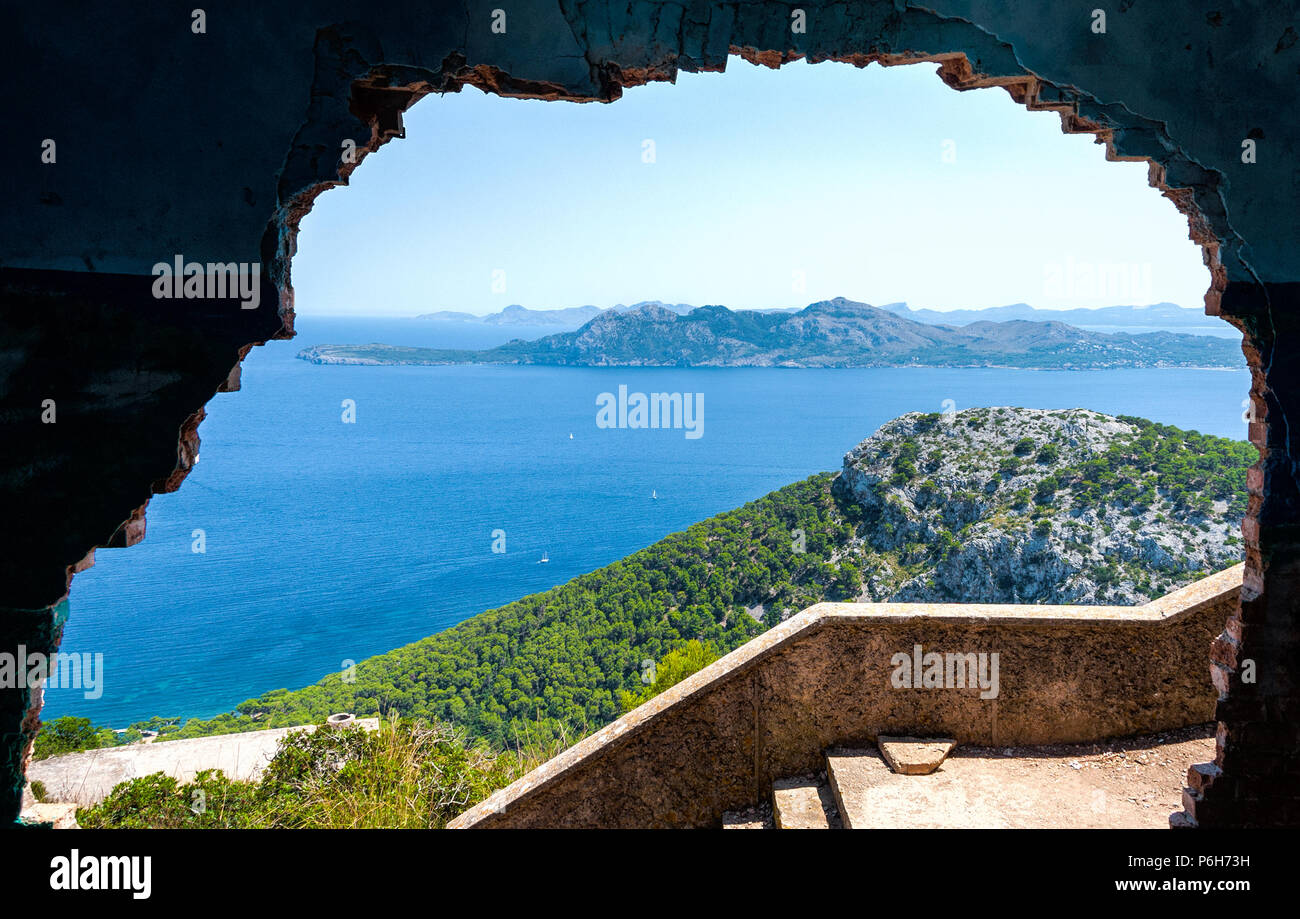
(827, 676)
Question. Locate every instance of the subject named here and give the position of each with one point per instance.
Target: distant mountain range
(570, 317)
(831, 333)
(1168, 317)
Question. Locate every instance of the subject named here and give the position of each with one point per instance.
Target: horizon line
(765, 309)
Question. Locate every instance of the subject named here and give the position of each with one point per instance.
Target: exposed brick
(1224, 651)
(1258, 741)
(1202, 774)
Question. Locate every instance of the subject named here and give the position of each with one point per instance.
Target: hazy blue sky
(878, 184)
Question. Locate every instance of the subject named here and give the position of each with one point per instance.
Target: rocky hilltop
(1013, 505)
(831, 333)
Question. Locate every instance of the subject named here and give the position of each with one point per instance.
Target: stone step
(915, 755)
(803, 804)
(852, 776)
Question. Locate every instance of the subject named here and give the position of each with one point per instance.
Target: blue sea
(328, 541)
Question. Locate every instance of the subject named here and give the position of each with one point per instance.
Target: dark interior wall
(212, 145)
(174, 142)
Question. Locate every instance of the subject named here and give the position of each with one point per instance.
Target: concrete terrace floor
(1129, 783)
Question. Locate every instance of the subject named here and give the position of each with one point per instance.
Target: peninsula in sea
(831, 334)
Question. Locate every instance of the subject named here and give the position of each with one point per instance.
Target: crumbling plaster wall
(212, 146)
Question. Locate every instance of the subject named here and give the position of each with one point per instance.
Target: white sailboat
(544, 559)
(654, 495)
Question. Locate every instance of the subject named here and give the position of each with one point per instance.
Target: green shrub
(947, 544)
(158, 801)
(407, 774)
(66, 735)
(905, 468)
(675, 666)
